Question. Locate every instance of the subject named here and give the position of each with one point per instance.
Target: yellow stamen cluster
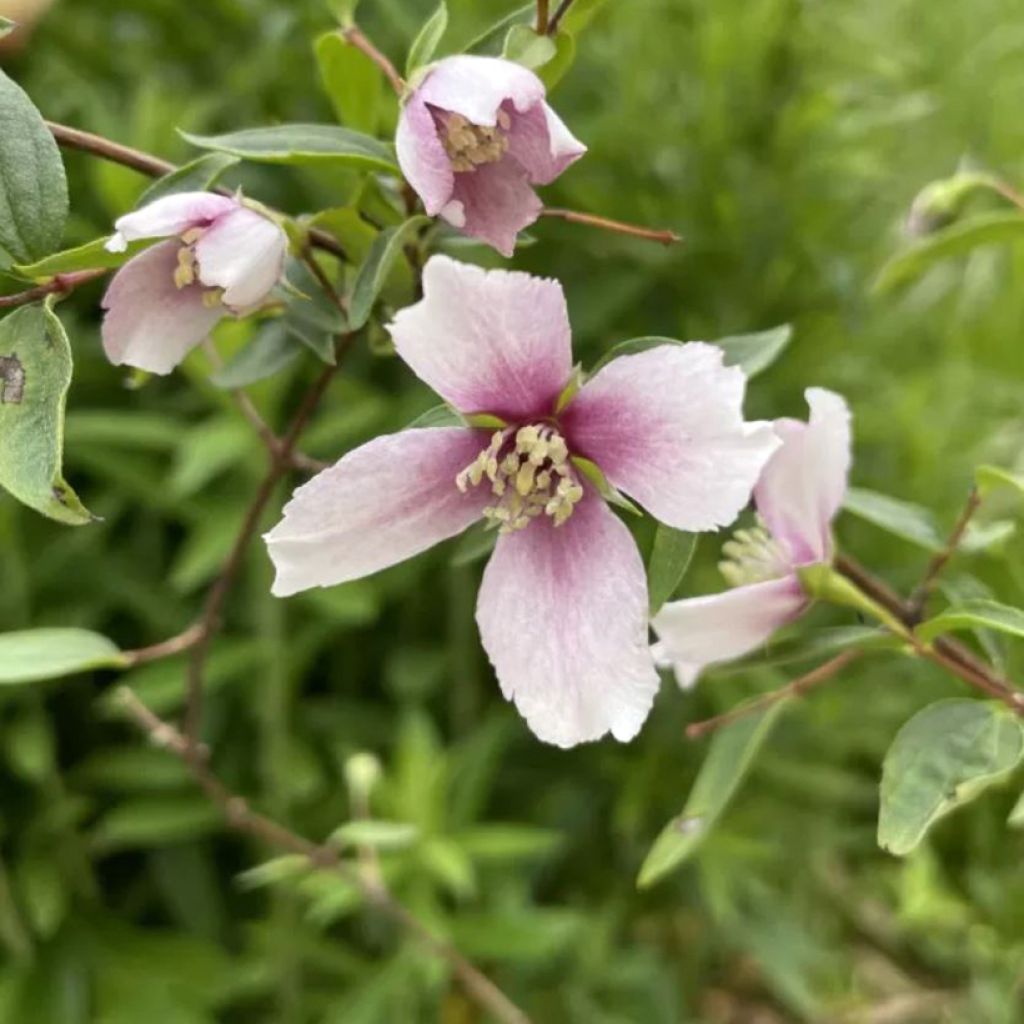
(752, 556)
(186, 273)
(533, 477)
(469, 145)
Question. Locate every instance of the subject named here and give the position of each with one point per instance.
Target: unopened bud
(941, 203)
(362, 773)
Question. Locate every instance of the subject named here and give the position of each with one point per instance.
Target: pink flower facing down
(474, 137)
(563, 606)
(799, 493)
(222, 257)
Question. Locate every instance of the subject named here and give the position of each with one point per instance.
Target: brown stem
(242, 818)
(920, 596)
(665, 237)
(796, 688)
(353, 35)
(154, 167)
(542, 17)
(325, 284)
(218, 593)
(1008, 192)
(560, 13)
(166, 648)
(62, 284)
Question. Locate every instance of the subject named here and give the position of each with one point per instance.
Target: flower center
(469, 145)
(530, 474)
(752, 556)
(186, 273)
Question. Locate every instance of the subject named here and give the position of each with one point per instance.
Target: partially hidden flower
(799, 493)
(221, 257)
(562, 610)
(474, 137)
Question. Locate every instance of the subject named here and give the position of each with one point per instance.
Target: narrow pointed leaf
(424, 46)
(976, 614)
(353, 83)
(31, 655)
(93, 255)
(754, 353)
(386, 249)
(670, 558)
(197, 176)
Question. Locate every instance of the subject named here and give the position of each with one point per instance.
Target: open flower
(799, 493)
(563, 606)
(222, 258)
(473, 139)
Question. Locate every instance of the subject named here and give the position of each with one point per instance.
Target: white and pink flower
(473, 139)
(222, 258)
(563, 609)
(799, 493)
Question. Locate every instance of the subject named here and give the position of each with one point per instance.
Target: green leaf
(343, 10)
(302, 144)
(994, 478)
(386, 249)
(1016, 818)
(33, 189)
(425, 44)
(155, 821)
(476, 543)
(557, 67)
(286, 868)
(352, 81)
(91, 256)
(491, 38)
(35, 373)
(732, 752)
(271, 350)
(525, 47)
(631, 347)
(976, 614)
(381, 835)
(30, 655)
(670, 558)
(917, 525)
(595, 475)
(6, 26)
(942, 758)
(956, 240)
(196, 176)
(437, 416)
(754, 353)
(580, 14)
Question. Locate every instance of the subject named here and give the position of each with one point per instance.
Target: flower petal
(563, 617)
(541, 143)
(243, 253)
(495, 202)
(150, 323)
(666, 426)
(492, 341)
(171, 215)
(701, 631)
(381, 504)
(476, 87)
(804, 483)
(422, 157)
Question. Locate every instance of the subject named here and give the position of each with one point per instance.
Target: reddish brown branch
(166, 648)
(353, 35)
(61, 284)
(665, 237)
(542, 18)
(939, 562)
(560, 13)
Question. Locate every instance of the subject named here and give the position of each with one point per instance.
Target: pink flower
(222, 258)
(563, 606)
(474, 137)
(797, 497)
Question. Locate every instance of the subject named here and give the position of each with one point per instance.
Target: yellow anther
(752, 556)
(213, 297)
(470, 145)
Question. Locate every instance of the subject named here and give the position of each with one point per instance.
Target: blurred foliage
(786, 140)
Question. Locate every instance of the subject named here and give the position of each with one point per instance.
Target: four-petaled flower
(222, 258)
(473, 139)
(563, 608)
(799, 493)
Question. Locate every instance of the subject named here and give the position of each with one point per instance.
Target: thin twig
(155, 167)
(796, 688)
(61, 284)
(556, 18)
(325, 284)
(542, 17)
(920, 596)
(166, 648)
(353, 35)
(242, 818)
(1008, 192)
(665, 237)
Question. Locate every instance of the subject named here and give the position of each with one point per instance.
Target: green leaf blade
(198, 175)
(384, 252)
(980, 613)
(33, 655)
(427, 40)
(670, 559)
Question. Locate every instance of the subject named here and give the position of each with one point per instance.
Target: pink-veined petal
(666, 426)
(492, 341)
(243, 253)
(701, 631)
(171, 215)
(422, 156)
(381, 504)
(563, 617)
(494, 203)
(149, 322)
(804, 483)
(542, 144)
(476, 87)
